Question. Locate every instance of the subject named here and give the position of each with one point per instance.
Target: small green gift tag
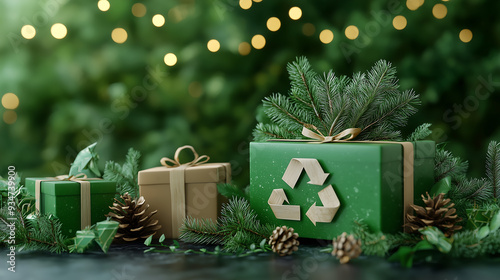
(105, 233)
(83, 240)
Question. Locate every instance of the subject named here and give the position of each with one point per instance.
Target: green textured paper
(62, 199)
(366, 177)
(106, 232)
(84, 239)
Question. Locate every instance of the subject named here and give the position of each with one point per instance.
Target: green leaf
(149, 250)
(442, 186)
(176, 243)
(437, 238)
(252, 247)
(148, 241)
(404, 255)
(105, 234)
(172, 248)
(483, 232)
(86, 162)
(162, 238)
(203, 250)
(263, 244)
(495, 222)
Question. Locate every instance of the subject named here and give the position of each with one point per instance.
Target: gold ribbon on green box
(85, 198)
(177, 184)
(348, 134)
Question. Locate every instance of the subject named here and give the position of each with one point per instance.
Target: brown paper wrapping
(202, 200)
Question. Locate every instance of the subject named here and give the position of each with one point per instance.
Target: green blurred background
(86, 87)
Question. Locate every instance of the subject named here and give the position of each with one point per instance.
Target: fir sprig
(125, 175)
(493, 168)
(445, 164)
(369, 101)
(236, 229)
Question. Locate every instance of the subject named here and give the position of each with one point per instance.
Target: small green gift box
(64, 199)
(321, 189)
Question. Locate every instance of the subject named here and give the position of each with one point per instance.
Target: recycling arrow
(283, 212)
(325, 213)
(313, 170)
(328, 197)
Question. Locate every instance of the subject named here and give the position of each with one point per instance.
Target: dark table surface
(129, 262)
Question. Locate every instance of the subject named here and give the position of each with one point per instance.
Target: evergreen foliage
(125, 175)
(420, 133)
(330, 104)
(445, 164)
(380, 244)
(237, 228)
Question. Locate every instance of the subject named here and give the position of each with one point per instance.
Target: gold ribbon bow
(177, 185)
(176, 163)
(350, 133)
(85, 198)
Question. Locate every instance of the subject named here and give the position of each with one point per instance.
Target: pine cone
(284, 241)
(346, 248)
(439, 212)
(134, 222)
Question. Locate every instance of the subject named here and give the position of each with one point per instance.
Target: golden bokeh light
(245, 4)
(213, 45)
(414, 4)
(170, 59)
(244, 48)
(139, 10)
(351, 32)
(10, 101)
(103, 5)
(257, 1)
(273, 24)
(295, 13)
(119, 35)
(258, 41)
(465, 35)
(28, 32)
(58, 31)
(399, 22)
(158, 20)
(326, 36)
(9, 117)
(308, 29)
(439, 11)
(195, 89)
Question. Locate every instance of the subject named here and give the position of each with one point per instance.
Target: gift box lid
(205, 173)
(61, 188)
(372, 151)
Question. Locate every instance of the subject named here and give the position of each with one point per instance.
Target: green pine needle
(420, 133)
(369, 101)
(125, 175)
(237, 228)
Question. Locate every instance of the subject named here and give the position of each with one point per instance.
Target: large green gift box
(321, 189)
(62, 198)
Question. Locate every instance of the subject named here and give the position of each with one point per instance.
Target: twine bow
(350, 133)
(198, 160)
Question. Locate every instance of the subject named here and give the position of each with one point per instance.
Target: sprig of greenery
(370, 101)
(175, 248)
(125, 175)
(236, 229)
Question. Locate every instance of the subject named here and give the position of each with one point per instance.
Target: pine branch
(236, 229)
(446, 164)
(493, 167)
(125, 175)
(420, 133)
(371, 102)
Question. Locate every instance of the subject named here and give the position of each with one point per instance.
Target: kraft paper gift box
(321, 189)
(63, 198)
(179, 190)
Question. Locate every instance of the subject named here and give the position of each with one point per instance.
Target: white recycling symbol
(328, 197)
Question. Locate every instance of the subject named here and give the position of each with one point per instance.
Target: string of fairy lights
(119, 35)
